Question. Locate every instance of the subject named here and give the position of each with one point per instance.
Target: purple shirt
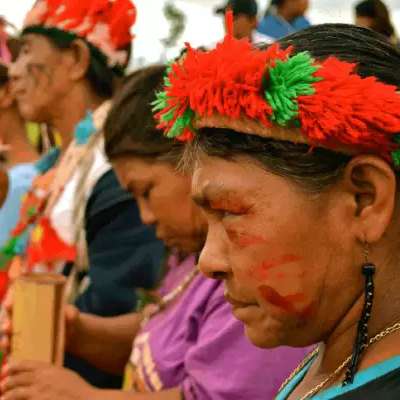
(198, 345)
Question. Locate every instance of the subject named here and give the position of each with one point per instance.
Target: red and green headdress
(104, 24)
(279, 94)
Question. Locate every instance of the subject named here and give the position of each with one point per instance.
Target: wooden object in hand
(38, 318)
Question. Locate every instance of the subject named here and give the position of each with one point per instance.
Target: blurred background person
(245, 20)
(19, 155)
(284, 17)
(87, 223)
(375, 15)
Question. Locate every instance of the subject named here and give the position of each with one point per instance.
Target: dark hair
(378, 11)
(130, 128)
(14, 46)
(103, 79)
(3, 75)
(313, 169)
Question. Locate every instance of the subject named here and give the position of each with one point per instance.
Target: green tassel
(161, 100)
(396, 153)
(32, 211)
(287, 81)
(181, 123)
(396, 158)
(8, 252)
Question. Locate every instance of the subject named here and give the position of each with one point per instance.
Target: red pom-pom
(348, 111)
(225, 81)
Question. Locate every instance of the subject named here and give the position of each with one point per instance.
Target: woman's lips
(237, 303)
(243, 311)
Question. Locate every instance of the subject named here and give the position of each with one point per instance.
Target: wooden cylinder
(39, 318)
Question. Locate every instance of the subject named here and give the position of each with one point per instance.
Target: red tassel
(229, 22)
(47, 247)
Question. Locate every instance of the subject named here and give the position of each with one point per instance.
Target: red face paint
(287, 303)
(245, 240)
(261, 271)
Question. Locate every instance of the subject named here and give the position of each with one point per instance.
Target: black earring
(361, 342)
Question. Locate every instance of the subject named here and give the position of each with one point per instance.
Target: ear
(372, 183)
(79, 60)
(6, 96)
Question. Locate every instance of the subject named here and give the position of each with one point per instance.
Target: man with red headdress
(79, 220)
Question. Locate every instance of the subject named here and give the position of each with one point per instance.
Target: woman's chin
(265, 340)
(30, 113)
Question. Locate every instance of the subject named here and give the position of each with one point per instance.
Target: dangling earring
(361, 342)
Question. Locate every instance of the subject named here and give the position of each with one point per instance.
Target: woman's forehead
(215, 176)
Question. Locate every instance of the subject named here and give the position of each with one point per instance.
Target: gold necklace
(339, 369)
(169, 297)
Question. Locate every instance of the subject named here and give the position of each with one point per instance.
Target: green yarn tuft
(287, 81)
(181, 123)
(8, 252)
(396, 153)
(161, 101)
(32, 211)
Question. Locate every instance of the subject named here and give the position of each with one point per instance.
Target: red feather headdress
(106, 24)
(276, 93)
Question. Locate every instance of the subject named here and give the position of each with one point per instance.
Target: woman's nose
(213, 258)
(146, 214)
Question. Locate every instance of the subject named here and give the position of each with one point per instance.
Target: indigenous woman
(187, 345)
(295, 157)
(77, 214)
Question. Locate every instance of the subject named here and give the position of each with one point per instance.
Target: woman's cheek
(298, 304)
(279, 281)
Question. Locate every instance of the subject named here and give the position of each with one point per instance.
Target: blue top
(20, 180)
(276, 27)
(361, 378)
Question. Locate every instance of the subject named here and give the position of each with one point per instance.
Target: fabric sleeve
(123, 253)
(19, 181)
(223, 364)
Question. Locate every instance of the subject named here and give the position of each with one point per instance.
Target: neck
(338, 345)
(385, 313)
(66, 117)
(14, 133)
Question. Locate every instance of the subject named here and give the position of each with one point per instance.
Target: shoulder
(301, 23)
(22, 174)
(107, 193)
(268, 23)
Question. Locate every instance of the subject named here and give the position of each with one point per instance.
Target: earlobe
(372, 182)
(80, 59)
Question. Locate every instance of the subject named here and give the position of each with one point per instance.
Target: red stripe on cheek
(271, 296)
(287, 303)
(261, 271)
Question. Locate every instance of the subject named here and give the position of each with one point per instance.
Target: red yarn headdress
(105, 24)
(276, 93)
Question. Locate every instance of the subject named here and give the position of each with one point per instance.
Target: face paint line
(261, 271)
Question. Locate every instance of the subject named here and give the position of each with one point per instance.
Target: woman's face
(164, 200)
(284, 254)
(39, 77)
